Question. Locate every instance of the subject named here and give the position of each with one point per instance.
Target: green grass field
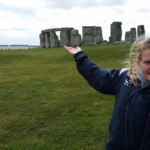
(46, 105)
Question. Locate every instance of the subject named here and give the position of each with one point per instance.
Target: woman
(130, 123)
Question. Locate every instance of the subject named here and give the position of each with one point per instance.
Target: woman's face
(144, 64)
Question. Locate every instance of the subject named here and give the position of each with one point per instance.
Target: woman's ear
(137, 62)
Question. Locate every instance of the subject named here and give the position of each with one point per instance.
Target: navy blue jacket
(130, 123)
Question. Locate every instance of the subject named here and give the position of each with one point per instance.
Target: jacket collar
(143, 80)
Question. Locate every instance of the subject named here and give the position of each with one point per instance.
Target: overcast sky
(21, 21)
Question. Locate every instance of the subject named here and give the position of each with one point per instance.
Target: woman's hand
(72, 50)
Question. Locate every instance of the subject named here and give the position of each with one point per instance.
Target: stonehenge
(132, 35)
(49, 38)
(141, 30)
(75, 38)
(91, 35)
(116, 32)
(127, 36)
(65, 37)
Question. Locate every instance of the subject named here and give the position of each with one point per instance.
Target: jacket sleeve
(103, 80)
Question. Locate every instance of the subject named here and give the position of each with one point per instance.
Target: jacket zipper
(126, 112)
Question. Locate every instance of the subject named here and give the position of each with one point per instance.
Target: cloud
(143, 10)
(13, 29)
(62, 4)
(16, 9)
(21, 8)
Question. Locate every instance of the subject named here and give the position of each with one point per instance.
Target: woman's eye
(147, 62)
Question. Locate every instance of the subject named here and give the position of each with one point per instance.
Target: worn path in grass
(46, 105)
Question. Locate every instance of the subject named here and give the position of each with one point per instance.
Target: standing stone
(140, 30)
(132, 34)
(127, 36)
(110, 39)
(65, 37)
(92, 35)
(88, 35)
(54, 39)
(47, 39)
(116, 31)
(42, 41)
(98, 36)
(75, 38)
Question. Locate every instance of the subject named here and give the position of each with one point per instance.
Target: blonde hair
(135, 54)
